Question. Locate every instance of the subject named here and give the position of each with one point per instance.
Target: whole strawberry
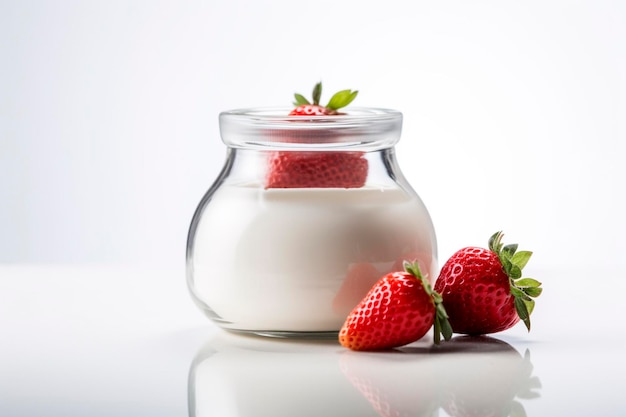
(399, 309)
(483, 289)
(317, 169)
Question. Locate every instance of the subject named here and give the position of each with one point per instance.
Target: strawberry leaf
(341, 99)
(506, 265)
(514, 271)
(337, 101)
(300, 100)
(446, 328)
(412, 268)
(441, 324)
(529, 286)
(527, 282)
(521, 258)
(518, 293)
(495, 242)
(509, 250)
(522, 311)
(522, 289)
(317, 93)
(532, 291)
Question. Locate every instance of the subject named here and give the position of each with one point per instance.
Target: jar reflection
(241, 376)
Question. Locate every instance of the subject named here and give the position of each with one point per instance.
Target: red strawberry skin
(311, 110)
(316, 169)
(395, 312)
(476, 292)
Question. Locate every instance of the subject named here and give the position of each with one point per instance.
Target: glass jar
(306, 215)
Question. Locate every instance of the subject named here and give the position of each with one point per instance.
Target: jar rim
(281, 114)
(357, 127)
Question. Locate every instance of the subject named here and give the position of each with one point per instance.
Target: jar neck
(253, 166)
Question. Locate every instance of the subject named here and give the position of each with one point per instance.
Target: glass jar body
(296, 260)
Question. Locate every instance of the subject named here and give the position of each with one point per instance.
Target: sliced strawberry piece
(323, 169)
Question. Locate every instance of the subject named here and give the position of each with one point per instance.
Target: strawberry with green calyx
(483, 289)
(305, 108)
(399, 309)
(318, 169)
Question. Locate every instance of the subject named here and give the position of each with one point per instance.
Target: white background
(514, 115)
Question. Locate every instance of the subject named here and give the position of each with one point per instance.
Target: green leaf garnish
(317, 93)
(527, 282)
(522, 312)
(341, 99)
(300, 100)
(533, 291)
(442, 326)
(337, 101)
(514, 271)
(524, 290)
(509, 250)
(521, 258)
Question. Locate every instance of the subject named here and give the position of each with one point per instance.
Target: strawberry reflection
(394, 385)
(466, 376)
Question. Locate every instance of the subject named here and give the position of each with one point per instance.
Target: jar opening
(272, 128)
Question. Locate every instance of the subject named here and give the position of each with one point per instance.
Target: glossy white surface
(96, 341)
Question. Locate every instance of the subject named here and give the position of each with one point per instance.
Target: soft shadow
(480, 376)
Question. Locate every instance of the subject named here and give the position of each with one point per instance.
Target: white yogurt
(286, 259)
